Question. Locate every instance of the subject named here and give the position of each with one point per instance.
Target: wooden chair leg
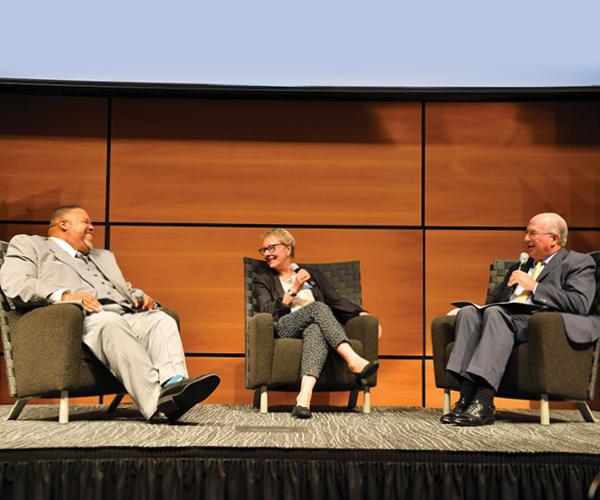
(264, 399)
(115, 403)
(447, 401)
(17, 408)
(544, 410)
(63, 409)
(353, 399)
(366, 399)
(585, 411)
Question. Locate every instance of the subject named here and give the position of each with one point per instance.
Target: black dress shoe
(176, 399)
(370, 368)
(460, 406)
(477, 413)
(301, 412)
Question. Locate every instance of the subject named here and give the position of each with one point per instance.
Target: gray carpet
(240, 426)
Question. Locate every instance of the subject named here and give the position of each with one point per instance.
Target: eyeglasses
(269, 249)
(534, 234)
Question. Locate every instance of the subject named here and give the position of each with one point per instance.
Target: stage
(232, 451)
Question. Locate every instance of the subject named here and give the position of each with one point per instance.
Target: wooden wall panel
(52, 152)
(457, 264)
(198, 271)
(399, 383)
(266, 162)
(496, 164)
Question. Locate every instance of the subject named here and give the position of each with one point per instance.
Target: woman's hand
(302, 276)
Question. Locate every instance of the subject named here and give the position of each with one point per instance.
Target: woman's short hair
(284, 236)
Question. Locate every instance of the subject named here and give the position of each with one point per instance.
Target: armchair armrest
(46, 348)
(365, 328)
(550, 350)
(442, 333)
(259, 350)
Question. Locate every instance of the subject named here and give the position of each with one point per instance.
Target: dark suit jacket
(566, 285)
(269, 294)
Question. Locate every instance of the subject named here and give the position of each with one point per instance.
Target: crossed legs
(321, 333)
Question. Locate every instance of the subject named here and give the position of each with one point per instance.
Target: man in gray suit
(123, 326)
(553, 279)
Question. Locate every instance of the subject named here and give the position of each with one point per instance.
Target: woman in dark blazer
(305, 305)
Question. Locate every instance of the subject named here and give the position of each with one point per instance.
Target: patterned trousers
(321, 333)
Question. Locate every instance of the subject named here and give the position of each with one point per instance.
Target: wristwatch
(292, 294)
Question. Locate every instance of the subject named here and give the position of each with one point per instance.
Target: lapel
(63, 256)
(553, 264)
(107, 271)
(277, 284)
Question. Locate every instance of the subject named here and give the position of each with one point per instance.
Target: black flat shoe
(301, 412)
(176, 399)
(460, 406)
(477, 413)
(370, 368)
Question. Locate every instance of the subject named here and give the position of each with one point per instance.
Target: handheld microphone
(295, 267)
(138, 297)
(523, 258)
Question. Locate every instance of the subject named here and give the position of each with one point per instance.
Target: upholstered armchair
(45, 357)
(546, 367)
(273, 363)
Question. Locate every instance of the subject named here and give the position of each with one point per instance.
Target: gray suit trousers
(141, 349)
(484, 342)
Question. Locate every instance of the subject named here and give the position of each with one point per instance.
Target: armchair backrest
(498, 270)
(344, 276)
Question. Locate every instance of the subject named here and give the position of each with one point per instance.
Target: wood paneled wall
(425, 195)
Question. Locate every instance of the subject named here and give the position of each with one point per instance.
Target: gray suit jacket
(566, 285)
(35, 267)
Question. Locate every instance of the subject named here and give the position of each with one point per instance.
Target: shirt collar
(64, 245)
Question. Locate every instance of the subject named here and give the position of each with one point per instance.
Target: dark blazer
(566, 285)
(269, 294)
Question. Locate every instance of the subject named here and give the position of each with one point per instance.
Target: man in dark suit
(123, 326)
(553, 279)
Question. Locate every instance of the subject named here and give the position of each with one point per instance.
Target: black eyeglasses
(269, 249)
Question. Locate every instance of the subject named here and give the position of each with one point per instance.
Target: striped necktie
(524, 295)
(82, 257)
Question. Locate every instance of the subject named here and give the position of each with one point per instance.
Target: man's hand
(523, 279)
(90, 304)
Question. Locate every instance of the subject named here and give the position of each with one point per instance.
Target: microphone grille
(523, 257)
(294, 267)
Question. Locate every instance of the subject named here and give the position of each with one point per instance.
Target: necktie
(84, 258)
(524, 295)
